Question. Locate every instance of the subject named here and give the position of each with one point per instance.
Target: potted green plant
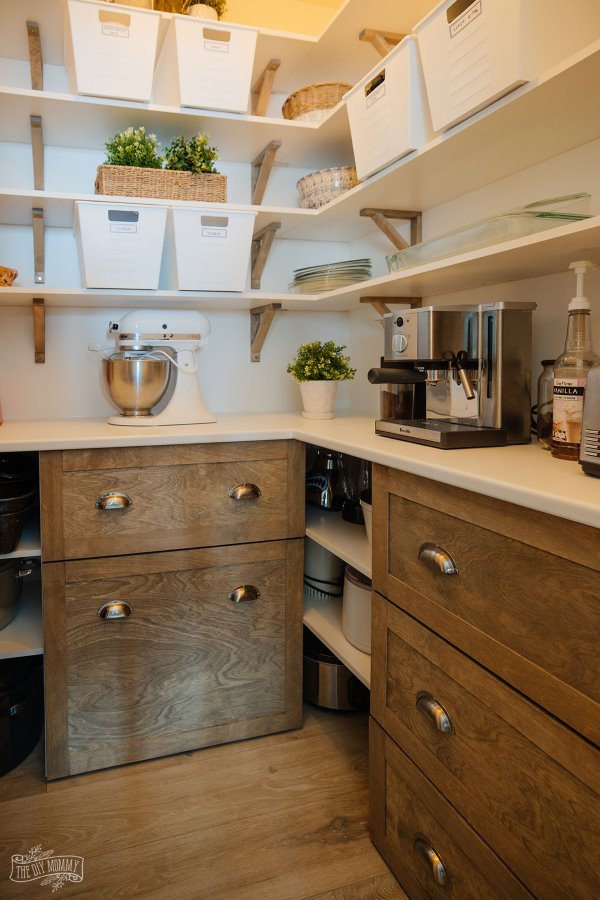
(318, 367)
(134, 167)
(208, 9)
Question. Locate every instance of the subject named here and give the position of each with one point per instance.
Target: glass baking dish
(502, 227)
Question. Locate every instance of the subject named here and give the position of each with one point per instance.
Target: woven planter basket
(313, 98)
(161, 184)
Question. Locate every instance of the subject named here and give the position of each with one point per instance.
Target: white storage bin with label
(205, 65)
(212, 248)
(388, 111)
(120, 246)
(110, 51)
(475, 51)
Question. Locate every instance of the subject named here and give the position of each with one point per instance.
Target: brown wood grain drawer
(430, 848)
(180, 497)
(186, 668)
(527, 783)
(522, 602)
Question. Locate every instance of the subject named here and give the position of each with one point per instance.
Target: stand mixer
(155, 366)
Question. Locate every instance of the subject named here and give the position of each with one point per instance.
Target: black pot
(18, 475)
(12, 572)
(21, 709)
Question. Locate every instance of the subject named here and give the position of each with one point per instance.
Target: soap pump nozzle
(580, 267)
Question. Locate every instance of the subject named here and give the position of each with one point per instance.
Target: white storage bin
(120, 245)
(356, 609)
(110, 50)
(473, 53)
(205, 65)
(212, 248)
(388, 111)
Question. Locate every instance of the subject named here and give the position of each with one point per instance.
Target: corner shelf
(24, 636)
(324, 619)
(341, 538)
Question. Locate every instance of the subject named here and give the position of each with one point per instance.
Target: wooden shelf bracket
(39, 330)
(39, 263)
(383, 41)
(262, 88)
(261, 319)
(380, 218)
(37, 150)
(261, 171)
(380, 304)
(35, 56)
(261, 247)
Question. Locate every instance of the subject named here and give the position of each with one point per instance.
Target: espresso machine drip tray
(443, 433)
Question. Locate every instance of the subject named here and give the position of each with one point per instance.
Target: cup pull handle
(114, 609)
(114, 500)
(437, 558)
(244, 492)
(428, 853)
(434, 712)
(243, 593)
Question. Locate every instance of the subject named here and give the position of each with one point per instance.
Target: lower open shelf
(24, 636)
(324, 618)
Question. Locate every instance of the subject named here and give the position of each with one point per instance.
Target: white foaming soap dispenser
(571, 372)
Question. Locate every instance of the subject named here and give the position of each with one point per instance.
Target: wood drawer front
(527, 784)
(529, 615)
(177, 501)
(408, 814)
(187, 668)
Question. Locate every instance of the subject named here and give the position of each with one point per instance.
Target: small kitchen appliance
(457, 376)
(589, 453)
(152, 375)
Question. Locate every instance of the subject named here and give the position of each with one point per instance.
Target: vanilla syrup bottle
(570, 373)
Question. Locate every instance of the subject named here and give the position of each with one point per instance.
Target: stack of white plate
(329, 276)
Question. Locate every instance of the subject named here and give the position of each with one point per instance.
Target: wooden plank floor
(284, 816)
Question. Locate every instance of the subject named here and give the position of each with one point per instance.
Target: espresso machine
(457, 376)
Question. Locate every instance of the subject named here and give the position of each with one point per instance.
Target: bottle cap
(580, 267)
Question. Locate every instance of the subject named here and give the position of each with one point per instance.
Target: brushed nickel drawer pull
(244, 492)
(428, 853)
(115, 609)
(243, 593)
(437, 558)
(114, 500)
(429, 707)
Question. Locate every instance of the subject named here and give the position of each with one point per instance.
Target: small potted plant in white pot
(318, 368)
(208, 9)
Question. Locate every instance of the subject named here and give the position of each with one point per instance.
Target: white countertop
(526, 475)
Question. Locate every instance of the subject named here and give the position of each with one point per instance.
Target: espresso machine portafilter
(457, 376)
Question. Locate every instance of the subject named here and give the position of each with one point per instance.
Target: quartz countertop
(523, 474)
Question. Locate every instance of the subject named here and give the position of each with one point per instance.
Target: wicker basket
(321, 187)
(313, 101)
(7, 276)
(161, 184)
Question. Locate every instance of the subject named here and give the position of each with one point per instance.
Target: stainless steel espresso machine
(457, 376)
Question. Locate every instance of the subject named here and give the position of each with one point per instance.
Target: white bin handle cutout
(374, 82)
(211, 34)
(214, 221)
(116, 18)
(123, 215)
(456, 9)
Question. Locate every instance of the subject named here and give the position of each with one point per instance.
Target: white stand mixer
(173, 336)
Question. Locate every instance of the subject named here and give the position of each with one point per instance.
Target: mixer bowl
(136, 384)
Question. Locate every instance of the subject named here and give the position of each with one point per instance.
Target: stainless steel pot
(12, 572)
(136, 382)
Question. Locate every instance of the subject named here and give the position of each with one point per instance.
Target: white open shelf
(324, 618)
(343, 539)
(24, 636)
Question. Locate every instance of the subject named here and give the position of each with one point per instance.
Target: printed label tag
(457, 26)
(123, 228)
(216, 46)
(376, 95)
(120, 31)
(214, 232)
(567, 410)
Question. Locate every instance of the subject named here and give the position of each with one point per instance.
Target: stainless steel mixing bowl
(136, 384)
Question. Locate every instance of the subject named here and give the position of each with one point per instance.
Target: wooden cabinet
(150, 653)
(486, 675)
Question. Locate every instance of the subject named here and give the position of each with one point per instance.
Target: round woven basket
(322, 95)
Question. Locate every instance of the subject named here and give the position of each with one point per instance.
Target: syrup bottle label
(567, 410)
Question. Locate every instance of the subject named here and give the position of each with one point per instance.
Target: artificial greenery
(218, 5)
(195, 155)
(318, 361)
(133, 147)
